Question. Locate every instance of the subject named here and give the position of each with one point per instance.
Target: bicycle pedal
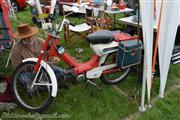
(89, 82)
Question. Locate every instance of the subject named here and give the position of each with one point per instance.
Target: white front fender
(49, 71)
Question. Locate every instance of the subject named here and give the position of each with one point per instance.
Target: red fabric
(7, 95)
(118, 37)
(21, 3)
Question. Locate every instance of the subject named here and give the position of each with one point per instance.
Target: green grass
(165, 109)
(82, 103)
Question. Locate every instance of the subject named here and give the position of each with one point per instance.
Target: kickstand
(89, 82)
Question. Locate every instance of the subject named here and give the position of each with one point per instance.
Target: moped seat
(100, 37)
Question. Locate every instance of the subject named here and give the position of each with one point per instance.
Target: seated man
(28, 45)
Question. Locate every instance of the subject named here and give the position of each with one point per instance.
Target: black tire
(116, 77)
(29, 98)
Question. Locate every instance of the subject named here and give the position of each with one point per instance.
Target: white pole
(147, 16)
(38, 6)
(53, 4)
(142, 107)
(169, 25)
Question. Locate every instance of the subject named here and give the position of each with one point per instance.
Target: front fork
(35, 78)
(50, 72)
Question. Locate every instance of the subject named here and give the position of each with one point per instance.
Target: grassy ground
(167, 109)
(110, 103)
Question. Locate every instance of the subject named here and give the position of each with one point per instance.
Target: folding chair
(98, 19)
(71, 30)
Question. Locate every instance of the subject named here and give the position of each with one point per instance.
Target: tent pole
(157, 39)
(155, 7)
(138, 20)
(142, 107)
(156, 42)
(9, 57)
(152, 72)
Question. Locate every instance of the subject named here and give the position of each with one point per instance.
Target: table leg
(114, 21)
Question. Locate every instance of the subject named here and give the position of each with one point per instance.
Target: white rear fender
(50, 72)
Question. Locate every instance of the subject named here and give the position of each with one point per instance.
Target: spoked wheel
(32, 96)
(115, 75)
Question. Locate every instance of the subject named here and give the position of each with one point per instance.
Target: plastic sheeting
(167, 34)
(147, 15)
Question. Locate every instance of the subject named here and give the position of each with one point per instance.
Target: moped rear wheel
(115, 75)
(36, 98)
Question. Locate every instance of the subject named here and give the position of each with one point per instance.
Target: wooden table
(114, 12)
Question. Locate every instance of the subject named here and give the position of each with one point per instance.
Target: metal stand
(89, 82)
(9, 57)
(144, 108)
(114, 21)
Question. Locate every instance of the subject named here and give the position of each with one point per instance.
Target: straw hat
(25, 31)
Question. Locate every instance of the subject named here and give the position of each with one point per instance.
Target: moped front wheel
(32, 91)
(115, 75)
